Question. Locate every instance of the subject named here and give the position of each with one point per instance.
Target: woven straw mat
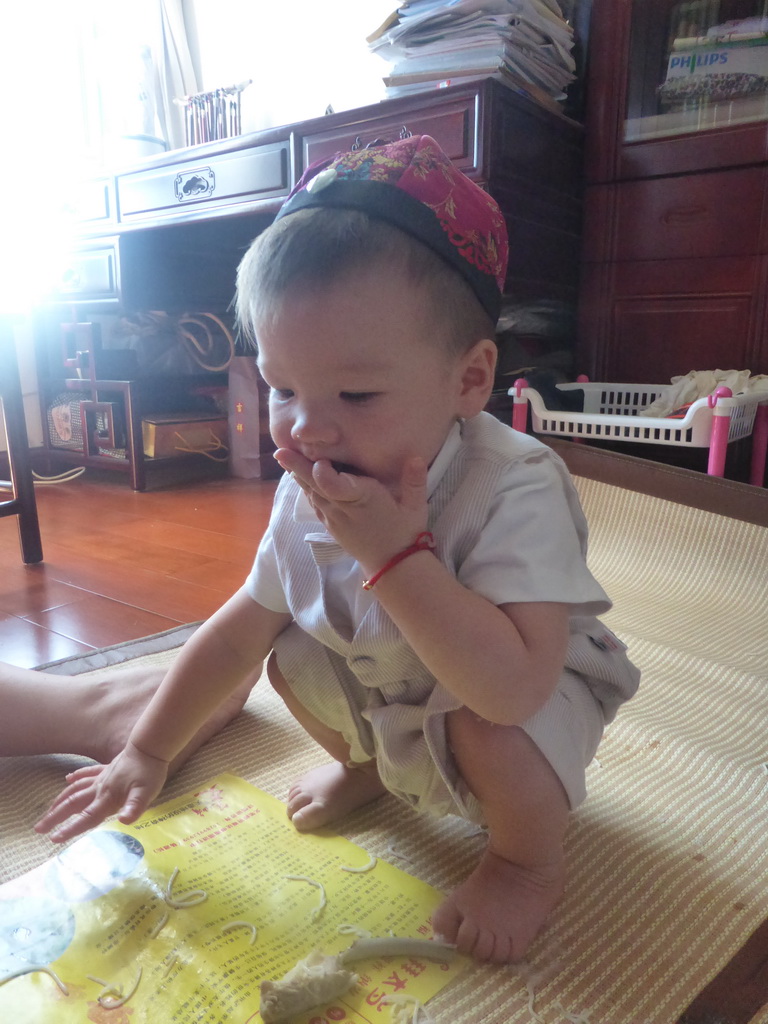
(668, 868)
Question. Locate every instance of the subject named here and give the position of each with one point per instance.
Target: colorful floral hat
(413, 185)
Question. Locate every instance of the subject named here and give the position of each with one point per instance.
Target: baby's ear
(478, 367)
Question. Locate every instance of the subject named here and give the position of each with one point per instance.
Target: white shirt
(531, 546)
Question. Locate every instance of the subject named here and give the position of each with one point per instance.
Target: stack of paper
(427, 41)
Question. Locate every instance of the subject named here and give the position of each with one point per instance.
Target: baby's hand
(127, 785)
(365, 517)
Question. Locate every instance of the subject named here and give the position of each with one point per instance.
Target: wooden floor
(121, 564)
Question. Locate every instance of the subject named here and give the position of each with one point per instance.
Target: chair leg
(18, 449)
(134, 441)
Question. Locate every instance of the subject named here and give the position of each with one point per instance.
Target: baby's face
(358, 377)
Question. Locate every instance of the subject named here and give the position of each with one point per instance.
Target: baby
(421, 592)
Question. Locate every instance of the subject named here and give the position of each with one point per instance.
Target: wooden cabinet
(168, 234)
(675, 236)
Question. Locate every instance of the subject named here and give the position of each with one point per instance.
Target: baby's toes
(485, 945)
(503, 950)
(297, 799)
(310, 815)
(446, 922)
(473, 941)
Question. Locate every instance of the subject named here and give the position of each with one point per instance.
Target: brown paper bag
(244, 432)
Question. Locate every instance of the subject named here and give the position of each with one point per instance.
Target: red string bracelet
(424, 542)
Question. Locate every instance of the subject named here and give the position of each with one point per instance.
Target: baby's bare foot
(331, 791)
(498, 911)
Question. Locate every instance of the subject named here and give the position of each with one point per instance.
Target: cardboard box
(734, 68)
(184, 433)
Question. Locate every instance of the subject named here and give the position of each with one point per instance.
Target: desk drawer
(693, 216)
(193, 188)
(92, 202)
(453, 125)
(90, 274)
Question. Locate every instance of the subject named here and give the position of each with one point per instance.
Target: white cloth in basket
(699, 384)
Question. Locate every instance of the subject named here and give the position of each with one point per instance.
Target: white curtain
(174, 73)
(79, 78)
(136, 62)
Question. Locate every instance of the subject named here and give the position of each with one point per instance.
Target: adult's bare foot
(122, 699)
(91, 714)
(330, 792)
(225, 713)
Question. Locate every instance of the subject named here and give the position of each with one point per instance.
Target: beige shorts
(403, 726)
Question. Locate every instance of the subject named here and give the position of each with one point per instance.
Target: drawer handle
(684, 214)
(404, 133)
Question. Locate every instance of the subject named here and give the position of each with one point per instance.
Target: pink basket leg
(520, 406)
(759, 446)
(721, 423)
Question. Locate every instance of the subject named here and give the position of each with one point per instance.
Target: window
(85, 84)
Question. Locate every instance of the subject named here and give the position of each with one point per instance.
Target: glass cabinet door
(696, 66)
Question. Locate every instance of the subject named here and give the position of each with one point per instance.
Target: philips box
(734, 59)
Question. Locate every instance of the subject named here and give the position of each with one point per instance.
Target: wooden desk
(168, 233)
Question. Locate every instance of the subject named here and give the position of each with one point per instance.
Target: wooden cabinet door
(690, 216)
(646, 322)
(626, 64)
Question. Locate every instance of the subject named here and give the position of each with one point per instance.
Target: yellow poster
(179, 917)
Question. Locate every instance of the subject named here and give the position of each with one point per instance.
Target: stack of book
(429, 43)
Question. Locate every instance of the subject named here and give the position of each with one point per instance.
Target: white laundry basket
(612, 412)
